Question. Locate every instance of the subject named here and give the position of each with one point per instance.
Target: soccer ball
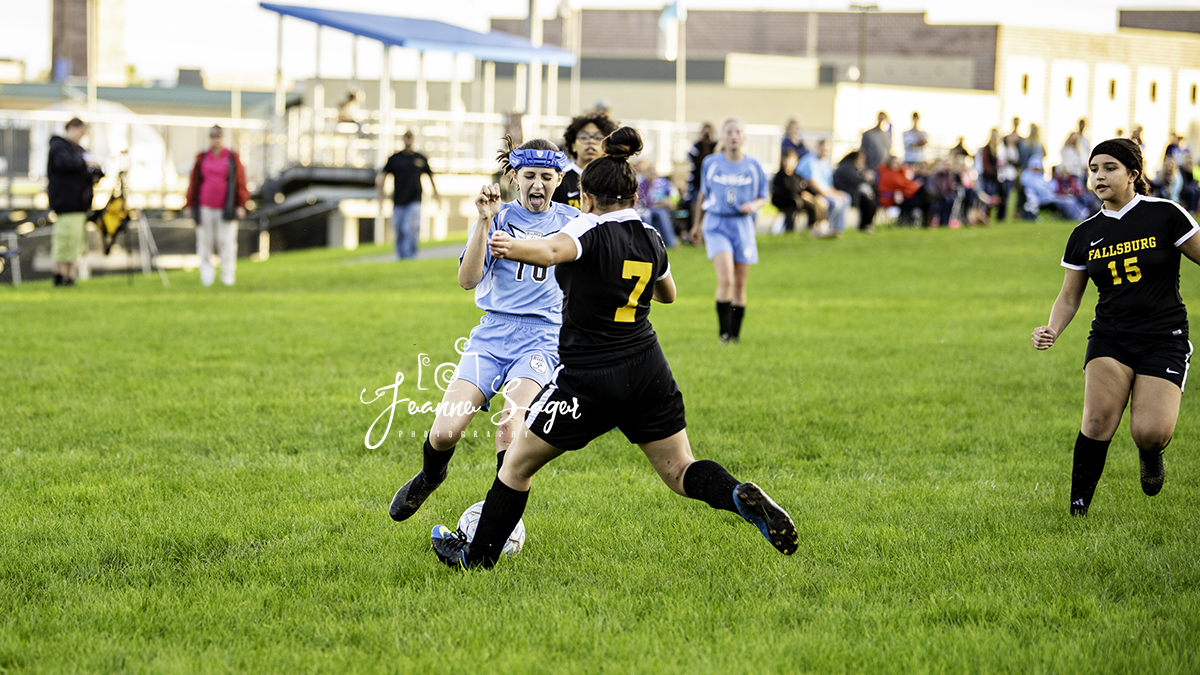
(469, 520)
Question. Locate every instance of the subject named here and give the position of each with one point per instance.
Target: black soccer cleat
(451, 547)
(409, 498)
(1153, 471)
(760, 511)
(1078, 508)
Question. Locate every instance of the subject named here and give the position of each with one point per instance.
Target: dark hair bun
(622, 143)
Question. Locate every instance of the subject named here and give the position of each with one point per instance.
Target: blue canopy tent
(427, 35)
(420, 35)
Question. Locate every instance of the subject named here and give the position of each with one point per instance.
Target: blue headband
(551, 159)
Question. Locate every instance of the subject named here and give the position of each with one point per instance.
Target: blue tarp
(426, 35)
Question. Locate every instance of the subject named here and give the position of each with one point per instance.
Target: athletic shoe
(1078, 508)
(1153, 471)
(451, 547)
(410, 497)
(757, 508)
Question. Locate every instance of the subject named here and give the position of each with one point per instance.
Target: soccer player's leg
(723, 266)
(1153, 412)
(518, 394)
(502, 509)
(1106, 391)
(459, 405)
(709, 482)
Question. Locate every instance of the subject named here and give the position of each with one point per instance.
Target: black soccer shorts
(637, 395)
(1168, 359)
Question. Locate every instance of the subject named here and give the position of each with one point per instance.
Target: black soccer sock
(435, 463)
(710, 483)
(723, 319)
(500, 460)
(736, 314)
(502, 510)
(1085, 471)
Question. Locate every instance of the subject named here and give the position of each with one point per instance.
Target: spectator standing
(792, 140)
(915, 141)
(702, 148)
(217, 197)
(987, 164)
(1085, 146)
(851, 178)
(71, 172)
(406, 168)
(1034, 148)
(1010, 171)
(816, 169)
(1189, 192)
(877, 142)
(1015, 134)
(1136, 137)
(1072, 160)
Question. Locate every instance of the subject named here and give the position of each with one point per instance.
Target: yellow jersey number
(1132, 273)
(642, 271)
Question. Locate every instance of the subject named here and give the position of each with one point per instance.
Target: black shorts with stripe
(1168, 359)
(637, 395)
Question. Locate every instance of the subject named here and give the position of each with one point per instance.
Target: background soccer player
(583, 137)
(733, 187)
(1138, 350)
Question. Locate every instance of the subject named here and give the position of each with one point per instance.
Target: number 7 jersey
(608, 287)
(510, 287)
(1132, 256)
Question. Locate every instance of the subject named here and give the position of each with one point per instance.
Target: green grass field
(185, 486)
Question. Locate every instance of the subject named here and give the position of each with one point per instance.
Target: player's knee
(1099, 426)
(442, 439)
(1152, 439)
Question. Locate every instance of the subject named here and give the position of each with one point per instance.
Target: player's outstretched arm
(1065, 307)
(664, 290)
(542, 252)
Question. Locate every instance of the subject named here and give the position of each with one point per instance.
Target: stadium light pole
(862, 10)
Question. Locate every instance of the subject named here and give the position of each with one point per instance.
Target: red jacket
(890, 182)
(235, 195)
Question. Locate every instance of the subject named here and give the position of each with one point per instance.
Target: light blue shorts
(504, 347)
(731, 234)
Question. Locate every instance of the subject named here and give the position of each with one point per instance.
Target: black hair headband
(1121, 149)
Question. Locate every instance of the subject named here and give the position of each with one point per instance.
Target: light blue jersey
(510, 287)
(727, 185)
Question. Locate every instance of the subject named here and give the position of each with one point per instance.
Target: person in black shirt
(71, 172)
(1138, 350)
(406, 168)
(583, 137)
(613, 373)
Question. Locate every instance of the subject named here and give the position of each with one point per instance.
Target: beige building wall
(1115, 81)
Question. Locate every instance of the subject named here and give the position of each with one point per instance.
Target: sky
(228, 36)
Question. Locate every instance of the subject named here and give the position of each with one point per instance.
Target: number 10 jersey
(1132, 256)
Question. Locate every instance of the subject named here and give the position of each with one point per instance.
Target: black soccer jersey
(1132, 256)
(568, 190)
(607, 288)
